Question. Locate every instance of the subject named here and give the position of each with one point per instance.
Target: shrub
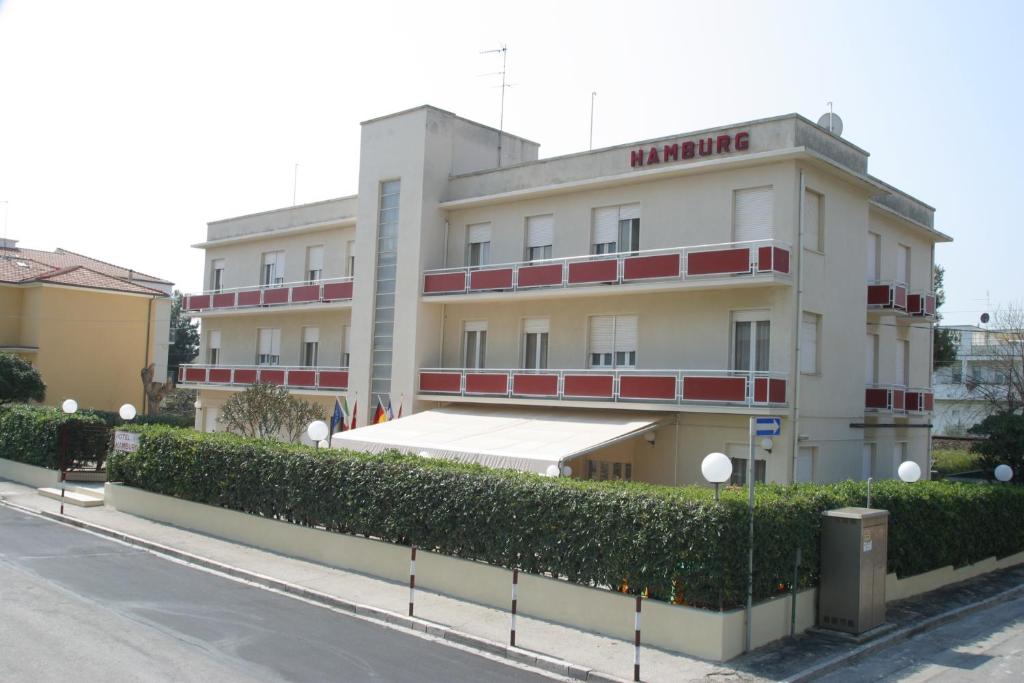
(676, 542)
(1004, 443)
(266, 410)
(31, 434)
(19, 381)
(112, 419)
(947, 461)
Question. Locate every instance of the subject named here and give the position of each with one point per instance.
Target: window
(269, 346)
(803, 468)
(540, 235)
(616, 229)
(902, 365)
(814, 223)
(350, 251)
(346, 349)
(613, 341)
(213, 346)
(810, 327)
(478, 244)
(874, 256)
(535, 343)
(867, 463)
(273, 269)
(603, 471)
(903, 264)
(899, 456)
(753, 214)
(740, 456)
(310, 346)
(871, 367)
(385, 275)
(217, 275)
(314, 264)
(751, 341)
(957, 373)
(475, 344)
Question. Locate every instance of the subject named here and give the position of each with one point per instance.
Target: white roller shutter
(540, 231)
(629, 211)
(602, 334)
(310, 334)
(873, 245)
(606, 225)
(753, 214)
(316, 258)
(809, 343)
(214, 342)
(270, 341)
(812, 220)
(479, 233)
(804, 465)
(347, 333)
(870, 375)
(901, 362)
(625, 333)
(903, 264)
(536, 325)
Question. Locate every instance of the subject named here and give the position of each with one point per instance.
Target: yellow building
(88, 326)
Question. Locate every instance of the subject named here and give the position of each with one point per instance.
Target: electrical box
(854, 549)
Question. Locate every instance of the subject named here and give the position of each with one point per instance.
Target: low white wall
(29, 475)
(898, 588)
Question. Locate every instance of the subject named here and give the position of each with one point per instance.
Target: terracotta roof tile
(79, 276)
(62, 258)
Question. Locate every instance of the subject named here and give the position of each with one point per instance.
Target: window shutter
(870, 376)
(214, 339)
(809, 343)
(481, 232)
(475, 326)
(629, 211)
(812, 220)
(602, 334)
(540, 231)
(902, 264)
(275, 342)
(804, 465)
(347, 332)
(531, 325)
(310, 334)
(752, 214)
(901, 362)
(606, 225)
(316, 258)
(625, 333)
(873, 243)
(265, 341)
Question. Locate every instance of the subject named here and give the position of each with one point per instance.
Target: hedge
(112, 419)
(675, 543)
(31, 434)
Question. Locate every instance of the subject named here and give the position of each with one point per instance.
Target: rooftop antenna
(504, 85)
(831, 122)
(295, 183)
(593, 94)
(7, 210)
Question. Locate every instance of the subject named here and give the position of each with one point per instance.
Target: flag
(380, 414)
(355, 409)
(390, 412)
(340, 417)
(399, 409)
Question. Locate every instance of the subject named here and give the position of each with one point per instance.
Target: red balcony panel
(879, 295)
(535, 385)
(439, 283)
(929, 304)
(272, 376)
(195, 374)
(929, 402)
(718, 262)
(655, 388)
(780, 264)
(539, 276)
(876, 399)
(302, 378)
(588, 386)
(497, 278)
(224, 300)
(605, 270)
(915, 304)
(765, 263)
(733, 389)
(304, 293)
(198, 301)
(441, 382)
(334, 291)
(900, 297)
(220, 375)
(275, 295)
(247, 376)
(769, 390)
(181, 374)
(899, 400)
(249, 298)
(486, 383)
(644, 267)
(333, 379)
(913, 401)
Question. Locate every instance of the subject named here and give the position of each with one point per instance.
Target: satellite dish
(984, 318)
(832, 123)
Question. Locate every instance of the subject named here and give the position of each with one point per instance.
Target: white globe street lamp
(323, 443)
(1004, 473)
(552, 471)
(317, 431)
(909, 471)
(566, 471)
(717, 469)
(127, 412)
(69, 406)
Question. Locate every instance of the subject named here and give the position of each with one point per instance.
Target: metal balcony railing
(896, 399)
(295, 377)
(322, 291)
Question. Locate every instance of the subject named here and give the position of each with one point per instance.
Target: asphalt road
(986, 646)
(74, 606)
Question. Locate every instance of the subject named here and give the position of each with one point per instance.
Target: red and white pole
(515, 601)
(636, 642)
(412, 579)
(62, 478)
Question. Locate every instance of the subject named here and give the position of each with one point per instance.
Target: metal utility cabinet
(854, 546)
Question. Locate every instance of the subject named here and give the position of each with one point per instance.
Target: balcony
(894, 399)
(705, 265)
(319, 378)
(921, 305)
(671, 387)
(887, 296)
(919, 401)
(285, 294)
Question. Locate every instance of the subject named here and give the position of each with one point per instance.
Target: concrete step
(74, 495)
(74, 475)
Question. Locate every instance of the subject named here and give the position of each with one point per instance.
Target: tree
(1003, 444)
(946, 340)
(184, 336)
(998, 377)
(19, 381)
(264, 410)
(180, 402)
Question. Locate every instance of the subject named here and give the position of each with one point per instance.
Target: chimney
(6, 243)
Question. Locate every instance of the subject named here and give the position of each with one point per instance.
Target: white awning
(513, 437)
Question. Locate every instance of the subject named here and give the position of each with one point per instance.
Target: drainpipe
(931, 364)
(798, 317)
(145, 353)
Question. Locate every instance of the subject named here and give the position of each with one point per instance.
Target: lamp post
(317, 431)
(1004, 473)
(909, 471)
(717, 469)
(69, 406)
(127, 412)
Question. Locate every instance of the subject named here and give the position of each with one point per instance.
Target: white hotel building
(622, 311)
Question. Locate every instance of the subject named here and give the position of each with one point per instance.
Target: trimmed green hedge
(676, 542)
(113, 419)
(30, 434)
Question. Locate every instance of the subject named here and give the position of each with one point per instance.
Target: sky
(125, 126)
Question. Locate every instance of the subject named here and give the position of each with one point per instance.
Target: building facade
(978, 382)
(89, 327)
(697, 280)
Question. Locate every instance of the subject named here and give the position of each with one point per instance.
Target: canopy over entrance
(521, 438)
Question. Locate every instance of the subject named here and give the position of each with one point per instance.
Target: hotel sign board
(690, 149)
(126, 442)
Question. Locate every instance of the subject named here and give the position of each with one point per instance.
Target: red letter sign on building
(689, 149)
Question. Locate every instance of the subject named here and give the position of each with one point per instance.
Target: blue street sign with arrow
(768, 426)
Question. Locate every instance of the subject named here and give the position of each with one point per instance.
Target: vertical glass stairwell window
(384, 296)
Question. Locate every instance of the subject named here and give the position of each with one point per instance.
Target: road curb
(484, 646)
(901, 635)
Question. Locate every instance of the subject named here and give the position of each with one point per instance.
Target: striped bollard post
(636, 642)
(515, 596)
(62, 479)
(412, 579)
